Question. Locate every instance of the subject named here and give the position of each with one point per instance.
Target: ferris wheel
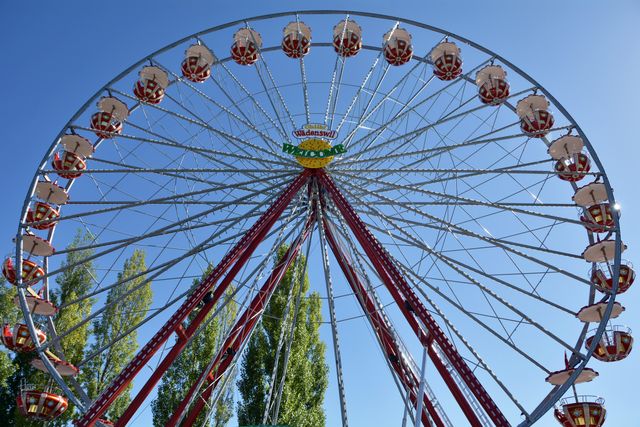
(442, 197)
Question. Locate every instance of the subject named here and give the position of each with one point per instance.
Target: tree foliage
(306, 372)
(74, 283)
(126, 305)
(192, 361)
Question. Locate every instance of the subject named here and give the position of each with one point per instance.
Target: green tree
(74, 283)
(118, 317)
(306, 372)
(192, 361)
(8, 313)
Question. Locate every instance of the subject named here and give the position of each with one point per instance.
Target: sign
(313, 154)
(313, 130)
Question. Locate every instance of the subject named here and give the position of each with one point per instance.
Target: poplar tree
(74, 283)
(118, 317)
(306, 372)
(187, 367)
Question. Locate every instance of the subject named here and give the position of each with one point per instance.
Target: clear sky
(55, 55)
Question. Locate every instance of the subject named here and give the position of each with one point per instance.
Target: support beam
(239, 255)
(414, 310)
(240, 332)
(383, 330)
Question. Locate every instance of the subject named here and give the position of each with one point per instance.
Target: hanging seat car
(107, 122)
(601, 277)
(296, 40)
(151, 85)
(598, 218)
(31, 271)
(447, 62)
(493, 87)
(535, 118)
(19, 339)
(68, 165)
(42, 404)
(615, 344)
(583, 411)
(42, 216)
(397, 46)
(593, 198)
(245, 49)
(347, 38)
(197, 63)
(572, 164)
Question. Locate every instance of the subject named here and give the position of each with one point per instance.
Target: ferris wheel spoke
(175, 198)
(409, 239)
(332, 315)
(375, 308)
(155, 270)
(433, 126)
(172, 300)
(411, 189)
(403, 113)
(359, 91)
(246, 122)
(451, 327)
(207, 153)
(161, 231)
(387, 96)
(253, 99)
(374, 214)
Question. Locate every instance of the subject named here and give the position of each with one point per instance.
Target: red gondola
(397, 47)
(197, 63)
(447, 62)
(598, 218)
(41, 405)
(245, 49)
(68, 165)
(31, 272)
(615, 344)
(601, 277)
(19, 339)
(151, 85)
(42, 212)
(493, 87)
(585, 411)
(535, 118)
(347, 38)
(574, 168)
(296, 41)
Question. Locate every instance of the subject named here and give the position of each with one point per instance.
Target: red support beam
(239, 254)
(382, 330)
(238, 335)
(412, 307)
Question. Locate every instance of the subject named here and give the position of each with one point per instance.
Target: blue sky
(55, 56)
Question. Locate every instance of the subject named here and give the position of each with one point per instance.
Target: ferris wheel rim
(618, 243)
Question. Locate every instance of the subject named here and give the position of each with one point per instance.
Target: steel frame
(553, 396)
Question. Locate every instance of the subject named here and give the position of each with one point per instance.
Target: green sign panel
(313, 154)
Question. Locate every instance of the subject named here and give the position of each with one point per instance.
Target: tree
(306, 372)
(9, 313)
(125, 306)
(192, 361)
(74, 283)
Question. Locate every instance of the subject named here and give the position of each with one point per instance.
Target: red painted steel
(382, 330)
(409, 303)
(240, 253)
(240, 332)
